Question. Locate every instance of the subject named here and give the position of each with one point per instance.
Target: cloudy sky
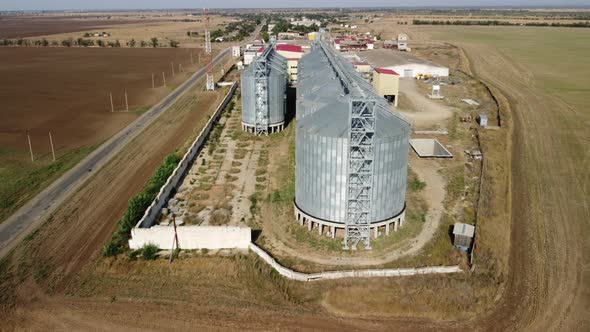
(156, 4)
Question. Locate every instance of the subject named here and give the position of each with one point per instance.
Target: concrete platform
(429, 148)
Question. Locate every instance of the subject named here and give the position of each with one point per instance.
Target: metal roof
(320, 87)
(289, 48)
(386, 71)
(464, 230)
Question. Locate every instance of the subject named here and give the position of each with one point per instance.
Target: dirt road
(429, 113)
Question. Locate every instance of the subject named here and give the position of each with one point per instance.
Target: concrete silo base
(273, 128)
(333, 227)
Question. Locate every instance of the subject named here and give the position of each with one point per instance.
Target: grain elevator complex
(351, 150)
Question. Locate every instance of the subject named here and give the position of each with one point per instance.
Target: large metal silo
(323, 149)
(264, 89)
(322, 157)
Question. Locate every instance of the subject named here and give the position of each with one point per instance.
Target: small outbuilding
(482, 119)
(386, 84)
(235, 51)
(463, 236)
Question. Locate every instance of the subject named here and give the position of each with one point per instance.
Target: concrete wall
(290, 274)
(161, 199)
(192, 237)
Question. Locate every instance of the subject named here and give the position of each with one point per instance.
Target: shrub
(417, 185)
(111, 249)
(149, 252)
(138, 204)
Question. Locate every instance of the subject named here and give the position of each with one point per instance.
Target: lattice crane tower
(210, 86)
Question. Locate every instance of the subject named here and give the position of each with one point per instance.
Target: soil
(30, 26)
(426, 113)
(66, 91)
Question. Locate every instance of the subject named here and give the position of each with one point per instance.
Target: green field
(22, 179)
(557, 58)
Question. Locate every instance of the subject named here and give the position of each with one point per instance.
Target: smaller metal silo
(264, 92)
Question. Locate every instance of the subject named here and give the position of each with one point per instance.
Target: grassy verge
(137, 206)
(21, 179)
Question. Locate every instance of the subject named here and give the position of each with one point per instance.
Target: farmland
(66, 91)
(30, 26)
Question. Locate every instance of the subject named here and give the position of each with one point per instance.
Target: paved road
(28, 217)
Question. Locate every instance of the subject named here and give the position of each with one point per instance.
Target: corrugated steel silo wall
(248, 101)
(390, 175)
(321, 176)
(277, 89)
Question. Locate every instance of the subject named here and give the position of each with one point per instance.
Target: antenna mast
(210, 84)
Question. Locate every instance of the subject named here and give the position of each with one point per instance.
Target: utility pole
(112, 105)
(172, 65)
(174, 240)
(30, 146)
(126, 102)
(52, 149)
(164, 78)
(153, 82)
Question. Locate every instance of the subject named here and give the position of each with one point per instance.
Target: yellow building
(362, 67)
(293, 53)
(313, 36)
(386, 84)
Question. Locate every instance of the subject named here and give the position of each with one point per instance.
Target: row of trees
(505, 23)
(83, 42)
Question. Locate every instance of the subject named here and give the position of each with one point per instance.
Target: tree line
(505, 23)
(84, 42)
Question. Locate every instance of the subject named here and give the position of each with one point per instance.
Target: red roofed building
(293, 53)
(386, 71)
(289, 48)
(386, 84)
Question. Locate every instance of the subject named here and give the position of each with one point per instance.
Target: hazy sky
(155, 4)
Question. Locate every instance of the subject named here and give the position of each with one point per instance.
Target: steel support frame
(360, 173)
(261, 96)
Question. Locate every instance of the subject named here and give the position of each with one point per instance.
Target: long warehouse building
(351, 152)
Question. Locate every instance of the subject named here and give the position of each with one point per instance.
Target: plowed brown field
(27, 26)
(66, 91)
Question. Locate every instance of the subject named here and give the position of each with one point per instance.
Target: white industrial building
(405, 64)
(251, 52)
(235, 51)
(412, 68)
